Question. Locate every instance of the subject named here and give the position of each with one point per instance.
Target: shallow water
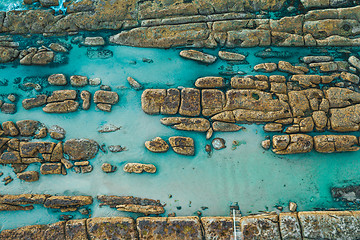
(256, 179)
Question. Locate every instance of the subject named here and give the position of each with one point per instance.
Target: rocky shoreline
(292, 225)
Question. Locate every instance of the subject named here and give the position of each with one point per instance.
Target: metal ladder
(237, 231)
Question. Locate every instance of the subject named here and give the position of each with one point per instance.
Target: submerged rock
(198, 56)
(134, 84)
(139, 168)
(157, 145)
(99, 53)
(108, 128)
(218, 143)
(116, 148)
(57, 47)
(28, 127)
(57, 132)
(8, 108)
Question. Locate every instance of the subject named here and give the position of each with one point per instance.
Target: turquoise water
(256, 179)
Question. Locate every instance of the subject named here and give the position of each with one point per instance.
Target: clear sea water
(256, 179)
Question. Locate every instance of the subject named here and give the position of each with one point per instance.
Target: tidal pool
(255, 178)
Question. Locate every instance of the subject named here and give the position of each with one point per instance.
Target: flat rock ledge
(295, 225)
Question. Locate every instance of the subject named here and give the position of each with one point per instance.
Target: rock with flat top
(210, 82)
(198, 56)
(57, 80)
(38, 101)
(141, 209)
(157, 145)
(61, 107)
(81, 149)
(94, 41)
(78, 81)
(27, 127)
(29, 176)
(187, 124)
(293, 143)
(106, 97)
(231, 56)
(139, 168)
(182, 145)
(111, 228)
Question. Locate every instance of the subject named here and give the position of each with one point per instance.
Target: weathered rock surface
(289, 226)
(81, 149)
(76, 229)
(187, 124)
(10, 129)
(57, 80)
(149, 209)
(212, 101)
(111, 228)
(139, 168)
(8, 108)
(78, 81)
(335, 143)
(85, 97)
(152, 100)
(113, 201)
(66, 106)
(57, 132)
(260, 227)
(273, 127)
(198, 56)
(27, 127)
(157, 145)
(51, 168)
(67, 201)
(210, 82)
(29, 176)
(190, 102)
(226, 127)
(94, 41)
(221, 228)
(62, 95)
(108, 168)
(265, 67)
(134, 84)
(39, 101)
(182, 145)
(231, 56)
(293, 143)
(106, 97)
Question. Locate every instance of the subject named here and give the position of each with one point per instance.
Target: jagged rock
(190, 102)
(57, 80)
(81, 149)
(198, 56)
(273, 127)
(67, 201)
(266, 144)
(94, 41)
(182, 145)
(212, 101)
(106, 97)
(346, 76)
(210, 82)
(29, 176)
(292, 206)
(57, 132)
(108, 168)
(10, 129)
(288, 68)
(134, 84)
(51, 168)
(311, 59)
(265, 67)
(39, 101)
(266, 226)
(355, 62)
(108, 128)
(152, 100)
(67, 164)
(61, 107)
(335, 143)
(171, 102)
(157, 145)
(218, 143)
(139, 168)
(169, 228)
(141, 209)
(27, 127)
(116, 148)
(111, 228)
(293, 143)
(85, 97)
(8, 108)
(187, 124)
(78, 81)
(231, 56)
(57, 47)
(226, 127)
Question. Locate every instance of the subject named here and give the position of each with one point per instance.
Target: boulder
(51, 168)
(8, 108)
(157, 145)
(355, 62)
(27, 127)
(264, 226)
(104, 107)
(231, 56)
(306, 124)
(182, 145)
(7, 207)
(311, 59)
(106, 97)
(81, 149)
(212, 101)
(152, 100)
(62, 95)
(116, 148)
(42, 58)
(175, 228)
(57, 47)
(187, 124)
(210, 82)
(57, 132)
(248, 38)
(66, 106)
(320, 120)
(266, 144)
(345, 119)
(190, 102)
(8, 54)
(346, 76)
(94, 41)
(32, 149)
(10, 158)
(29, 176)
(141, 209)
(293, 143)
(341, 97)
(335, 143)
(57, 80)
(39, 101)
(226, 127)
(288, 68)
(78, 81)
(248, 82)
(113, 201)
(67, 201)
(265, 67)
(299, 103)
(85, 97)
(218, 143)
(108, 168)
(198, 56)
(23, 199)
(171, 102)
(139, 168)
(307, 80)
(106, 128)
(111, 228)
(134, 84)
(57, 154)
(10, 129)
(19, 168)
(273, 127)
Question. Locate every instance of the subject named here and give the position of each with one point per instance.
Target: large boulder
(345, 119)
(182, 145)
(29, 176)
(78, 81)
(198, 56)
(190, 102)
(212, 101)
(62, 95)
(51, 168)
(61, 107)
(81, 149)
(152, 100)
